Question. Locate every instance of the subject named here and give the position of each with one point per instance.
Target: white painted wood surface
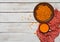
(17, 7)
(23, 7)
(17, 23)
(18, 27)
(29, 0)
(17, 17)
(18, 37)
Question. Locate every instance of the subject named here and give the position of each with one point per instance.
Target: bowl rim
(51, 8)
(41, 31)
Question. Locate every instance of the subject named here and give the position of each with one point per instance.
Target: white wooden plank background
(18, 37)
(17, 17)
(17, 23)
(18, 27)
(29, 0)
(21, 37)
(22, 7)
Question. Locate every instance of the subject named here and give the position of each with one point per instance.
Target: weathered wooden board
(18, 37)
(18, 27)
(21, 37)
(17, 23)
(21, 7)
(17, 17)
(17, 7)
(29, 0)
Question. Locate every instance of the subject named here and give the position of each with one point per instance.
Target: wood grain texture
(17, 23)
(29, 0)
(21, 37)
(16, 7)
(23, 7)
(18, 27)
(17, 17)
(18, 37)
